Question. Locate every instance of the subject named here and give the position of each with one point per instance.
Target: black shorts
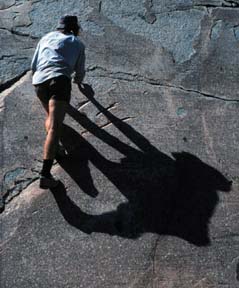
(57, 88)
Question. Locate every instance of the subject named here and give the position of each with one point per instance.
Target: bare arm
(80, 67)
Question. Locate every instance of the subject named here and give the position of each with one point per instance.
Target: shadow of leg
(72, 213)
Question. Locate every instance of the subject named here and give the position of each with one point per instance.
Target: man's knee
(47, 123)
(54, 128)
(56, 116)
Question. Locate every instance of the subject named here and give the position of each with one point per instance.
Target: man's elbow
(33, 70)
(79, 78)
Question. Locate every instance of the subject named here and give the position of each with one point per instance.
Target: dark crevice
(100, 6)
(6, 56)
(226, 236)
(232, 3)
(18, 33)
(206, 95)
(8, 7)
(14, 182)
(108, 108)
(237, 272)
(82, 104)
(180, 9)
(130, 77)
(225, 4)
(5, 29)
(206, 6)
(149, 15)
(15, 191)
(154, 251)
(29, 48)
(110, 123)
(12, 81)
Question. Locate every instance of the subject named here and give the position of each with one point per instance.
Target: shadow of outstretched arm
(70, 211)
(99, 133)
(135, 137)
(108, 223)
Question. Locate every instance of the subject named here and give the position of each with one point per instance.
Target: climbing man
(57, 55)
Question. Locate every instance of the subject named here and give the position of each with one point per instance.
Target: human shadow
(165, 195)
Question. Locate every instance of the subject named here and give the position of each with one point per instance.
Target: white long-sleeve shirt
(58, 54)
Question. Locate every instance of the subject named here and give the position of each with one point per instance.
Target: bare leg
(53, 127)
(47, 121)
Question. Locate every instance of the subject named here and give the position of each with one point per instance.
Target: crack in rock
(110, 123)
(130, 77)
(112, 106)
(10, 83)
(5, 6)
(82, 104)
(223, 4)
(6, 56)
(15, 181)
(18, 33)
(237, 272)
(107, 124)
(236, 32)
(216, 30)
(232, 3)
(100, 7)
(205, 94)
(149, 16)
(153, 255)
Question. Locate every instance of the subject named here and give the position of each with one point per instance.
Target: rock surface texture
(146, 198)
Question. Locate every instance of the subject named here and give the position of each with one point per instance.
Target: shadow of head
(199, 173)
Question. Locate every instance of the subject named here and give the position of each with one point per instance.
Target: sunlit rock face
(145, 198)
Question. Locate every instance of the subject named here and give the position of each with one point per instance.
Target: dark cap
(68, 22)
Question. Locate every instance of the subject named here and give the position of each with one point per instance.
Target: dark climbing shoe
(48, 182)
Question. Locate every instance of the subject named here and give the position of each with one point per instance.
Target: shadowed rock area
(149, 186)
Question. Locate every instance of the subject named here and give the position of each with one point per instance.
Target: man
(57, 56)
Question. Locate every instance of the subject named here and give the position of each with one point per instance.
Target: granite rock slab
(148, 193)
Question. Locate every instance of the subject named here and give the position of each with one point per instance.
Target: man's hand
(87, 90)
